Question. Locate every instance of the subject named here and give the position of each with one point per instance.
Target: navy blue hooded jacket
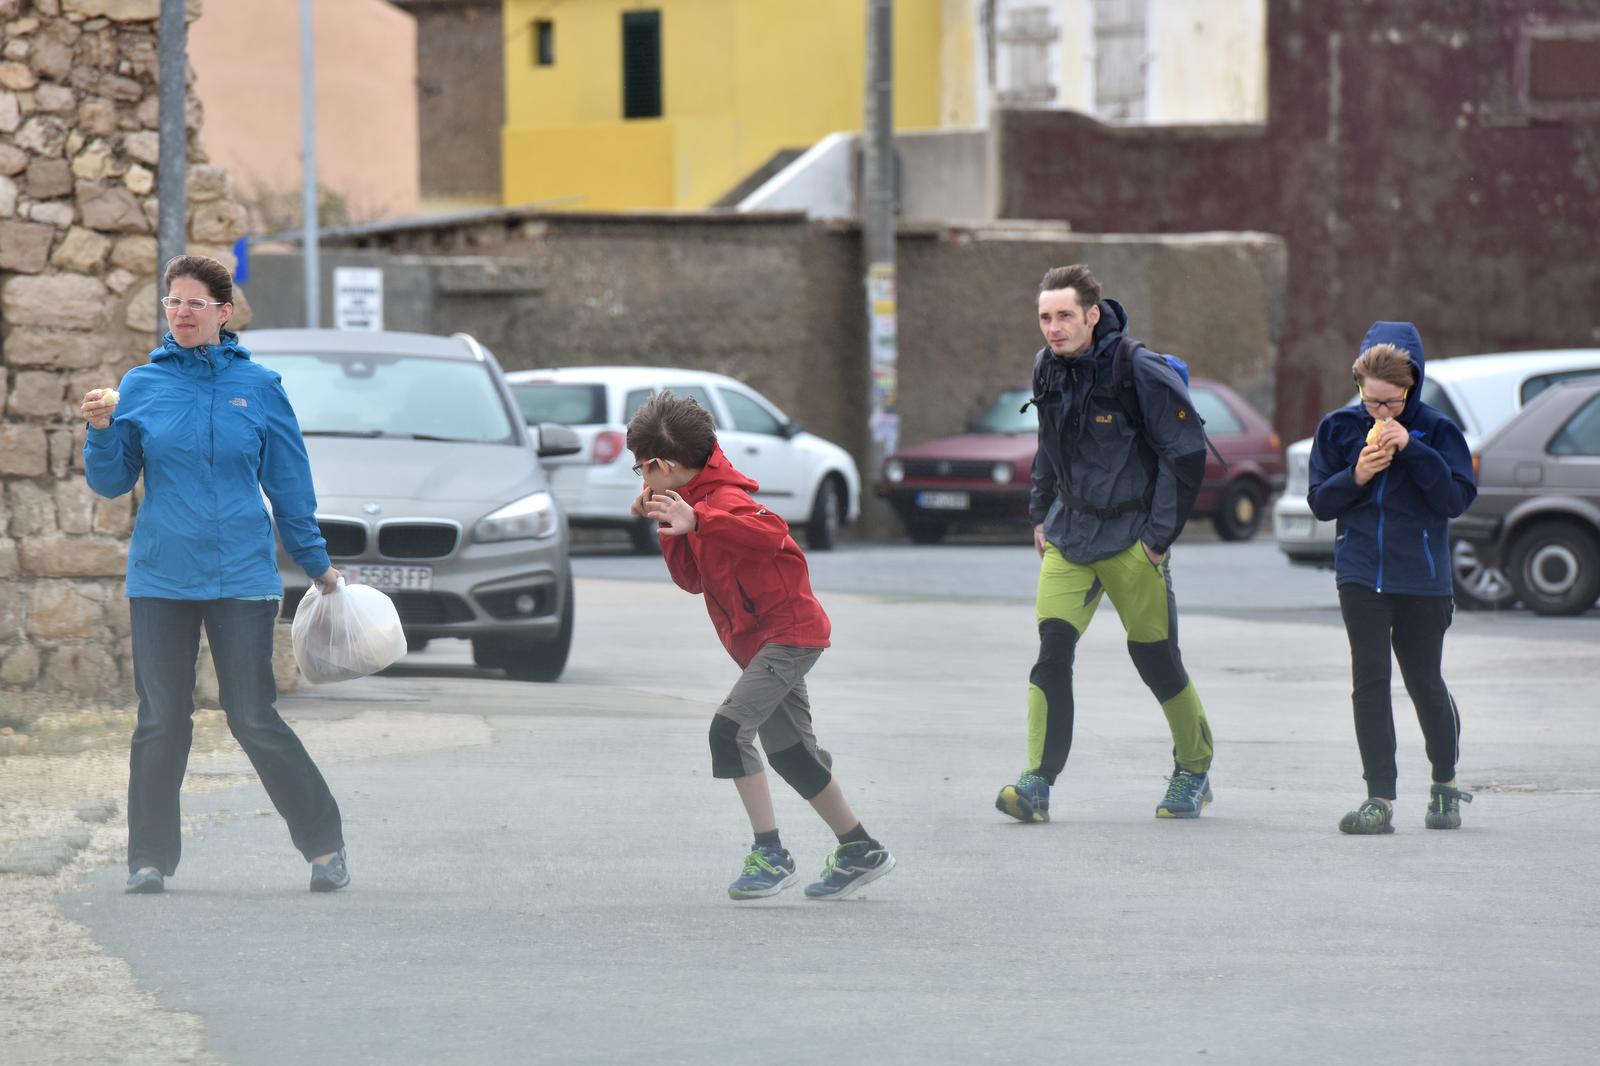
(1393, 533)
(211, 430)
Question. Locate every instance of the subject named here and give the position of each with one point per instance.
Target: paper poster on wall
(358, 298)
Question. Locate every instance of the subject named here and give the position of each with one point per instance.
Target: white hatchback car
(808, 481)
(1479, 393)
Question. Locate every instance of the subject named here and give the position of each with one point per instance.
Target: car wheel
(544, 660)
(415, 643)
(1555, 567)
(1477, 587)
(646, 536)
(925, 532)
(827, 515)
(1239, 514)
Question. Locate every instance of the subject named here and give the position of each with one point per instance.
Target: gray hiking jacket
(1099, 483)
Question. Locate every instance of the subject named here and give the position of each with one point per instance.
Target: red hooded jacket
(755, 580)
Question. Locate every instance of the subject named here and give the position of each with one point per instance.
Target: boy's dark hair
(1075, 277)
(672, 427)
(204, 269)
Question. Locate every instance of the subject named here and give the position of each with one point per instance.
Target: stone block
(58, 348)
(144, 146)
(43, 135)
(57, 213)
(55, 99)
(62, 610)
(75, 504)
(120, 281)
(208, 183)
(10, 566)
(136, 254)
(23, 451)
(48, 178)
(33, 509)
(61, 301)
(110, 208)
(52, 54)
(8, 194)
(82, 250)
(219, 221)
(13, 604)
(98, 116)
(139, 180)
(38, 394)
(141, 314)
(60, 556)
(94, 162)
(12, 159)
(115, 10)
(87, 670)
(17, 77)
(20, 667)
(64, 457)
(25, 246)
(117, 87)
(10, 112)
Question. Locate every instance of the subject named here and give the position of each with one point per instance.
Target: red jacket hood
(714, 475)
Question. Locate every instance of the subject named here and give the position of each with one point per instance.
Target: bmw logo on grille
(372, 508)
(944, 468)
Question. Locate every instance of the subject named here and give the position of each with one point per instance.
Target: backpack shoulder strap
(1122, 380)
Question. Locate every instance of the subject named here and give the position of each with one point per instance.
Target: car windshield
(1004, 415)
(363, 394)
(570, 404)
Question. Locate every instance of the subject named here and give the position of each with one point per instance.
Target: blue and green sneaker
(1187, 795)
(1444, 806)
(849, 867)
(768, 870)
(1370, 819)
(1027, 801)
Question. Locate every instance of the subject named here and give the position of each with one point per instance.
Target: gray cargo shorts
(769, 700)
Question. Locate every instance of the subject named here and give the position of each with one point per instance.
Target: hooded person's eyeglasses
(1386, 405)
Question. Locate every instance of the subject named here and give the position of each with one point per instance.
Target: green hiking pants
(1141, 592)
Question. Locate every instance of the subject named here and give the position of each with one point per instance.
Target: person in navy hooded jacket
(210, 430)
(1393, 471)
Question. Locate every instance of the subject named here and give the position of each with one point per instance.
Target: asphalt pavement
(556, 892)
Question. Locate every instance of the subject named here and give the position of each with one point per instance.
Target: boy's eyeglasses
(640, 467)
(172, 303)
(1386, 405)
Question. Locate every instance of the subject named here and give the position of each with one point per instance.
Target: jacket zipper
(749, 604)
(1428, 551)
(1383, 479)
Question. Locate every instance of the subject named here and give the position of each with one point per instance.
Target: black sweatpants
(1414, 626)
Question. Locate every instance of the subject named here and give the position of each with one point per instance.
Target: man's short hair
(1385, 362)
(672, 427)
(1076, 277)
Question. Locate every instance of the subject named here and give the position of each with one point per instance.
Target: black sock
(768, 840)
(858, 835)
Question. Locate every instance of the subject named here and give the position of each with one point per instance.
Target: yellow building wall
(741, 80)
(1209, 61)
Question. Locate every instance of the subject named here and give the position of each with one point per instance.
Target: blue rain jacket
(1393, 532)
(211, 430)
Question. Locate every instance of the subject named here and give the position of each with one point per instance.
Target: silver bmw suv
(429, 487)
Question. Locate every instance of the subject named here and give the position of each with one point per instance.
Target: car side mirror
(556, 439)
(790, 430)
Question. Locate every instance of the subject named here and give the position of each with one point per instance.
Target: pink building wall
(246, 56)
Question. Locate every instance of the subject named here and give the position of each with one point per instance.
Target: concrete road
(553, 891)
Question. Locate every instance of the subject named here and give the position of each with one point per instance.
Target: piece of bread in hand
(1376, 431)
(110, 396)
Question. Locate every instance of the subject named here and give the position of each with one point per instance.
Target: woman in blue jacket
(1394, 471)
(210, 430)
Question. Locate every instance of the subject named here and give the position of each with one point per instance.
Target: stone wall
(78, 158)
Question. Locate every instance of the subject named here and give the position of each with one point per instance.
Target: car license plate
(1295, 526)
(944, 501)
(390, 578)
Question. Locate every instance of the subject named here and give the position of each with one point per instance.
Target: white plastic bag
(346, 634)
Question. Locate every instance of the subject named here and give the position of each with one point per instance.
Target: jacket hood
(228, 344)
(1113, 320)
(716, 473)
(1402, 335)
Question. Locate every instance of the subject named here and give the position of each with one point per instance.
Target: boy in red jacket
(720, 542)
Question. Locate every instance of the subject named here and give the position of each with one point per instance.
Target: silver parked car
(429, 487)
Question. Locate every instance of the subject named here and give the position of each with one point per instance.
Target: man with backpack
(1121, 455)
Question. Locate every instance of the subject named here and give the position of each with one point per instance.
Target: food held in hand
(110, 396)
(1377, 431)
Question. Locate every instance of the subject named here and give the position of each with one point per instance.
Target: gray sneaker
(1444, 806)
(1371, 818)
(330, 876)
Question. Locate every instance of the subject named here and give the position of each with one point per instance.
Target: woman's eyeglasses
(172, 303)
(640, 467)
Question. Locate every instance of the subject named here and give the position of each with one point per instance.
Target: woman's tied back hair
(672, 427)
(204, 269)
(1384, 362)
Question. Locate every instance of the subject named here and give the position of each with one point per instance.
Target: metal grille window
(346, 540)
(1027, 37)
(641, 64)
(1120, 56)
(544, 43)
(407, 541)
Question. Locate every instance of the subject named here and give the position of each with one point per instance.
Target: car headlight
(1002, 473)
(894, 471)
(532, 516)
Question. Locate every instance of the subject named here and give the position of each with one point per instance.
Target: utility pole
(172, 167)
(877, 232)
(308, 168)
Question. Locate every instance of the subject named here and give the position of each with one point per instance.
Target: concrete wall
(1401, 164)
(461, 100)
(246, 57)
(777, 301)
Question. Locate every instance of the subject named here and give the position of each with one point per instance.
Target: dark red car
(982, 477)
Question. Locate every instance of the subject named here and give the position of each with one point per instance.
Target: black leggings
(1414, 626)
